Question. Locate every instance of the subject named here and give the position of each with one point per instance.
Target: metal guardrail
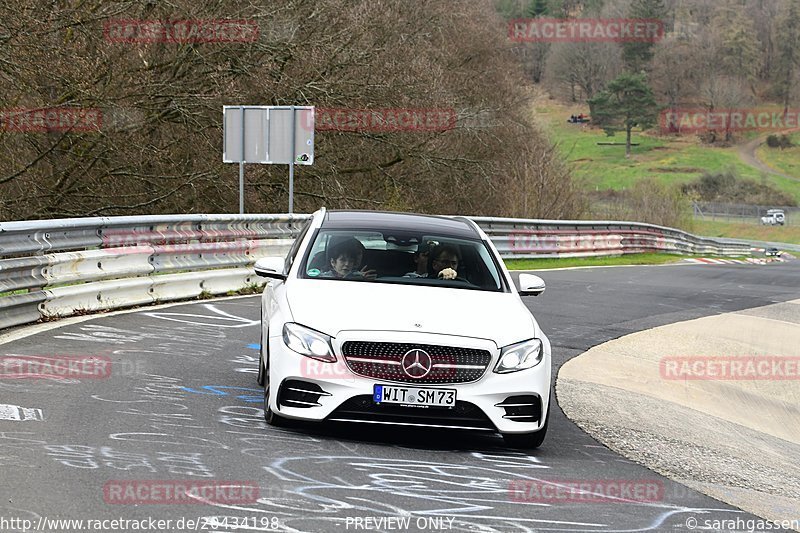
(56, 268)
(523, 238)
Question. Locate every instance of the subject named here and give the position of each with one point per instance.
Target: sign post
(268, 135)
(292, 136)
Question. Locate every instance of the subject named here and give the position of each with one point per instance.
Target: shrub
(779, 141)
(726, 187)
(653, 202)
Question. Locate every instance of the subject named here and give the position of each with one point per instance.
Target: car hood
(332, 306)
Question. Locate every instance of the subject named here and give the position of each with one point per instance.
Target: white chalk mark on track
(20, 414)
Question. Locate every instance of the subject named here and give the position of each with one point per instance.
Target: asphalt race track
(182, 403)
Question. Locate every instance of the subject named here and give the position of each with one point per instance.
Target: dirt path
(747, 153)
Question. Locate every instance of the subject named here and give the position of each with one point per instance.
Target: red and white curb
(709, 261)
(747, 261)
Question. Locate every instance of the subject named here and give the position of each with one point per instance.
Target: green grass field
(669, 159)
(631, 259)
(783, 160)
(756, 232)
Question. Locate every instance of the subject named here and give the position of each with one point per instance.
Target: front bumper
(490, 403)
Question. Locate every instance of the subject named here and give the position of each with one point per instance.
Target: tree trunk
(787, 90)
(628, 141)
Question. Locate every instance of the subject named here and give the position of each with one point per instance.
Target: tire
(270, 417)
(261, 374)
(528, 441)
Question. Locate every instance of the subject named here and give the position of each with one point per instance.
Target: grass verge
(786, 160)
(629, 259)
(756, 232)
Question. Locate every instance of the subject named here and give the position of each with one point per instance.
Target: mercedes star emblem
(416, 363)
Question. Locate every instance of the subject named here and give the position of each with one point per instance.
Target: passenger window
(296, 246)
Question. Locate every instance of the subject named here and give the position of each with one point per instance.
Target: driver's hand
(448, 273)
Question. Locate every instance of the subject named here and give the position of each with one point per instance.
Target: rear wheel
(528, 440)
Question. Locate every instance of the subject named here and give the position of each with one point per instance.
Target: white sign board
(268, 134)
(282, 147)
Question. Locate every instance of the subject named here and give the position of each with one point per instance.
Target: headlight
(520, 356)
(308, 342)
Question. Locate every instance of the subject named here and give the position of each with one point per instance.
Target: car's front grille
(363, 409)
(414, 362)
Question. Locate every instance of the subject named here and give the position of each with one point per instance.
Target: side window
(295, 247)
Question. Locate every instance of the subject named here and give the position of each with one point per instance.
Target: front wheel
(270, 416)
(528, 440)
(263, 379)
(261, 373)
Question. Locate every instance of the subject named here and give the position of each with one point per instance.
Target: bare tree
(724, 94)
(541, 187)
(159, 148)
(765, 14)
(676, 70)
(583, 65)
(653, 202)
(738, 47)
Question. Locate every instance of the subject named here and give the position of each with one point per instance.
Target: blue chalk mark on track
(221, 390)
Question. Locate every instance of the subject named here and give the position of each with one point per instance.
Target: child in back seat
(345, 258)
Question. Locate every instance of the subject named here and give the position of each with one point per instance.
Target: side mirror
(270, 267)
(530, 285)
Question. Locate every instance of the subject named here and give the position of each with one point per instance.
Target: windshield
(386, 256)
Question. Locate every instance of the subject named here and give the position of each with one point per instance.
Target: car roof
(412, 222)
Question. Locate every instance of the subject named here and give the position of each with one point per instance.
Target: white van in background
(775, 217)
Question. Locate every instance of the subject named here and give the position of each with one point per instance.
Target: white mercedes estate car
(378, 318)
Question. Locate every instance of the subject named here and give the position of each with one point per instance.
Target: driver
(444, 260)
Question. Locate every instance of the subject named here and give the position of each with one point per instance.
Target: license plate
(414, 396)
